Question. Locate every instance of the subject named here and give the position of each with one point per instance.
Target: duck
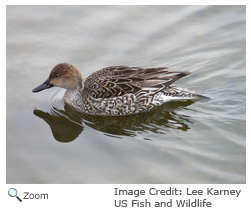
(118, 90)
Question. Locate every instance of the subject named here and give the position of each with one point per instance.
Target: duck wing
(117, 81)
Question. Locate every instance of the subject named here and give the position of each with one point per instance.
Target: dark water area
(179, 142)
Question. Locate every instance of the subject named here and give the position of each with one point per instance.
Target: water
(201, 142)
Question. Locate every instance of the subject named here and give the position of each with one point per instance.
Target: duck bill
(43, 86)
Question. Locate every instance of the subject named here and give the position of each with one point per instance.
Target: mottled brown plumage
(118, 80)
(117, 90)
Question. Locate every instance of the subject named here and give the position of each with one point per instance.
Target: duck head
(63, 75)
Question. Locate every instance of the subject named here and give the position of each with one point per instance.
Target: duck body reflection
(66, 125)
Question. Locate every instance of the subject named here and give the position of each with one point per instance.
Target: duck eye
(56, 76)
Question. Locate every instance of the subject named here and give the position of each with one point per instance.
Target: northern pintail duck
(117, 90)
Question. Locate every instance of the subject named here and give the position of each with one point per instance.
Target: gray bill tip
(43, 86)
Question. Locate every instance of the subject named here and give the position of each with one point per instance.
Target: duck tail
(175, 93)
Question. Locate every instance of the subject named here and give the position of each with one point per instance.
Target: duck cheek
(43, 86)
(57, 83)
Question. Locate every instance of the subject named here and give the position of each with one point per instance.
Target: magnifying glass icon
(13, 193)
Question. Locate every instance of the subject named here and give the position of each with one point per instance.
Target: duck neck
(73, 97)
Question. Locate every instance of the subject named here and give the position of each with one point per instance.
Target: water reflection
(62, 128)
(66, 125)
